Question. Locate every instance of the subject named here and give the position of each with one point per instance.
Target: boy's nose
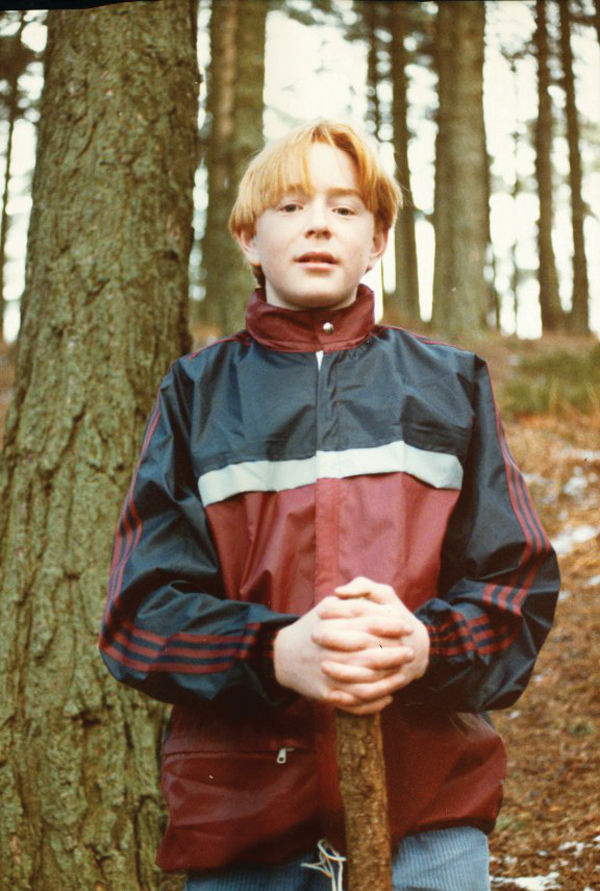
(316, 221)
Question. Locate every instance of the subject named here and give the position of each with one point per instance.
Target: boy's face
(314, 249)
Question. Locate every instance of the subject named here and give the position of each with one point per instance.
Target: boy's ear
(380, 240)
(247, 242)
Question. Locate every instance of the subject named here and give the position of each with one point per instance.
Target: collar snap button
(328, 328)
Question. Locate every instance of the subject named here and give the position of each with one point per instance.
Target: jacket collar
(305, 331)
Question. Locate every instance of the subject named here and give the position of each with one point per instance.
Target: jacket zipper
(282, 754)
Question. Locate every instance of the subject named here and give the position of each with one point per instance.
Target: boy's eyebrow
(345, 191)
(334, 191)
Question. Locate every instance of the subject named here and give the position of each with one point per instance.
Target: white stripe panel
(434, 468)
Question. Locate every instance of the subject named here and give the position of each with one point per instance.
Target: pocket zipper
(282, 754)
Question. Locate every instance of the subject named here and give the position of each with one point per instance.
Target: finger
(355, 706)
(398, 617)
(353, 635)
(379, 689)
(351, 674)
(380, 659)
(344, 640)
(364, 587)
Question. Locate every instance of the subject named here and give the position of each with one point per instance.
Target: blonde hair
(284, 163)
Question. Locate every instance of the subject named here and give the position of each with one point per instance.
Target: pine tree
(235, 111)
(551, 310)
(405, 300)
(461, 212)
(104, 312)
(579, 316)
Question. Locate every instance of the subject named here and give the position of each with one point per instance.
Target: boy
(325, 513)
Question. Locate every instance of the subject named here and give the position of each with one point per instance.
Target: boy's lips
(317, 257)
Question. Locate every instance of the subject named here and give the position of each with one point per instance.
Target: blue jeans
(443, 860)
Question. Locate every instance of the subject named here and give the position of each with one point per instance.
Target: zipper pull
(282, 754)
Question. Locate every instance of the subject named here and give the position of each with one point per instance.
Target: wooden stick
(361, 770)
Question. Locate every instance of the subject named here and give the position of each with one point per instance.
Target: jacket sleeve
(498, 582)
(168, 629)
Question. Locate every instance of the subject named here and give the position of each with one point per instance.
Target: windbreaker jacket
(310, 448)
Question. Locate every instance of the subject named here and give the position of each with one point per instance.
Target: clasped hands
(354, 649)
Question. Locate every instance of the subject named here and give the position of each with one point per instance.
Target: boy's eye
(290, 207)
(344, 211)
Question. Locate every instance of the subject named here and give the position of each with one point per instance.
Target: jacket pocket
(239, 806)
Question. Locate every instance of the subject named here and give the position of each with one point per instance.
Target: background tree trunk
(549, 298)
(372, 13)
(597, 18)
(404, 302)
(103, 314)
(12, 100)
(235, 107)
(460, 212)
(579, 319)
(15, 59)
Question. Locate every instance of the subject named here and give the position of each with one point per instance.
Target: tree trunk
(361, 768)
(104, 312)
(515, 279)
(548, 279)
(404, 303)
(235, 106)
(460, 213)
(579, 318)
(4, 222)
(372, 12)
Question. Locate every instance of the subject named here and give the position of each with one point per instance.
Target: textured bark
(104, 312)
(235, 107)
(579, 318)
(5, 219)
(404, 303)
(361, 770)
(460, 212)
(372, 13)
(549, 298)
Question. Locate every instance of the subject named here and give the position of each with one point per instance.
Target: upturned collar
(310, 330)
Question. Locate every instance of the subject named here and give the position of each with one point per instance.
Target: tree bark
(579, 316)
(549, 297)
(361, 768)
(104, 312)
(460, 212)
(372, 14)
(235, 106)
(404, 303)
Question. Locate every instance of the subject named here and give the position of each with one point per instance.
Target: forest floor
(548, 834)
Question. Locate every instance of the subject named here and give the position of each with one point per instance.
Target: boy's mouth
(317, 257)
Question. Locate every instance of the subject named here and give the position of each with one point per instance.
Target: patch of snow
(532, 883)
(576, 847)
(582, 454)
(535, 479)
(577, 484)
(565, 541)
